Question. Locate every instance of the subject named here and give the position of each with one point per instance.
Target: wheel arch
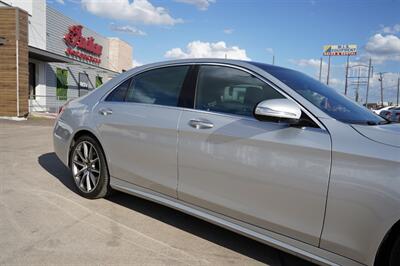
(383, 253)
(84, 132)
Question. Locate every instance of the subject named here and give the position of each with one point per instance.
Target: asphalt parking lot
(43, 220)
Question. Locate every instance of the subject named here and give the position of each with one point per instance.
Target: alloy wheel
(86, 166)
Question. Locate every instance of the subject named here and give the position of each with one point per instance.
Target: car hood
(387, 134)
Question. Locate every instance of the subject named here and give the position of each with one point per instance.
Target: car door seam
(327, 194)
(177, 152)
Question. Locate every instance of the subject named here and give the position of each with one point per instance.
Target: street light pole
(347, 74)
(381, 80)
(329, 69)
(320, 68)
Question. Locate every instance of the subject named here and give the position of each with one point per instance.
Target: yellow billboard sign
(338, 50)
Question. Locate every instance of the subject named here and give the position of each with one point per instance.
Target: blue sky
(293, 31)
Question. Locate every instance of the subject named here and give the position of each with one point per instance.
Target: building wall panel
(57, 27)
(13, 76)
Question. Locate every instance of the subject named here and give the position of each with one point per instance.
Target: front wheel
(395, 254)
(89, 168)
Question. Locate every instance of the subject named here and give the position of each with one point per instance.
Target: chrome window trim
(271, 84)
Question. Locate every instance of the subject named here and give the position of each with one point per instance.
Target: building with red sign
(48, 58)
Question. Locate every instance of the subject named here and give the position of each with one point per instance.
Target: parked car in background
(378, 111)
(391, 114)
(265, 151)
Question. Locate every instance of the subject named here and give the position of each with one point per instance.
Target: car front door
(267, 174)
(138, 127)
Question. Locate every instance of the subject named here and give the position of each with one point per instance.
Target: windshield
(325, 98)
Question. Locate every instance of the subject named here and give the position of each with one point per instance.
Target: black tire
(395, 254)
(102, 187)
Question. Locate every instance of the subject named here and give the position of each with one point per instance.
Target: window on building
(62, 84)
(83, 86)
(229, 90)
(159, 86)
(32, 81)
(99, 81)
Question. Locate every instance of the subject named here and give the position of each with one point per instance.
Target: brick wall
(14, 27)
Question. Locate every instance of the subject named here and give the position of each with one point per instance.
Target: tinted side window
(159, 86)
(229, 90)
(119, 93)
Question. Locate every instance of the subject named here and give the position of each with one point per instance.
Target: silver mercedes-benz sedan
(264, 151)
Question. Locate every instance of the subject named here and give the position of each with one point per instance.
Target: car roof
(240, 63)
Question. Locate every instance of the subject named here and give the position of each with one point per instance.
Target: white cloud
(307, 62)
(228, 31)
(127, 29)
(199, 49)
(383, 47)
(60, 2)
(138, 11)
(335, 82)
(391, 29)
(269, 50)
(200, 4)
(136, 63)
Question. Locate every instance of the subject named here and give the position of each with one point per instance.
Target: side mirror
(279, 110)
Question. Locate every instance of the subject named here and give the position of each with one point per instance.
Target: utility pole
(363, 80)
(347, 74)
(273, 59)
(358, 84)
(369, 76)
(320, 69)
(398, 91)
(329, 69)
(381, 81)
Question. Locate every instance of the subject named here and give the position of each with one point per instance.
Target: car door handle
(200, 124)
(105, 112)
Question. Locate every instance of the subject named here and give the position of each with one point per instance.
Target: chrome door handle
(200, 124)
(105, 111)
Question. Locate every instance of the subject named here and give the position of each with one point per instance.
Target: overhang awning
(46, 56)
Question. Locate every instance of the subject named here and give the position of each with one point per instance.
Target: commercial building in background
(47, 58)
(117, 54)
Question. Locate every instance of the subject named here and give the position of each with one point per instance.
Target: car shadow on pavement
(53, 165)
(190, 224)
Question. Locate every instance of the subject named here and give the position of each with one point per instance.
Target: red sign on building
(82, 47)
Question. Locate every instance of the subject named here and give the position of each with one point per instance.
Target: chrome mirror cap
(278, 108)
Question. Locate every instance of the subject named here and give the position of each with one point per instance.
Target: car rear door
(138, 127)
(267, 174)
